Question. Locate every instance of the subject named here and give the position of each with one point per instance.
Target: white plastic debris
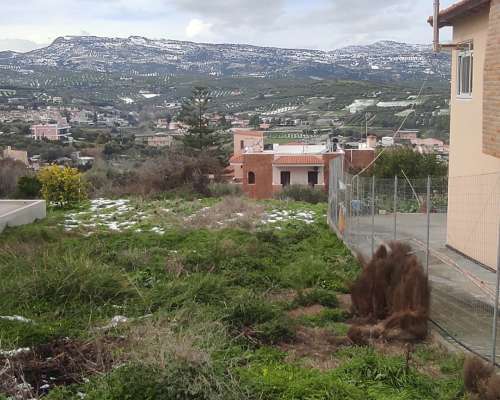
(115, 321)
(16, 318)
(13, 353)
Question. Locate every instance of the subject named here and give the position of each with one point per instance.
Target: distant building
(240, 123)
(264, 172)
(162, 123)
(160, 140)
(57, 131)
(371, 141)
(18, 155)
(407, 135)
(82, 161)
(154, 139)
(360, 105)
(429, 146)
(387, 141)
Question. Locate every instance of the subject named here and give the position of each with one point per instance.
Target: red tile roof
(298, 160)
(236, 159)
(457, 10)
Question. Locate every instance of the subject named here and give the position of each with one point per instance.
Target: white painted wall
(298, 175)
(21, 212)
(299, 149)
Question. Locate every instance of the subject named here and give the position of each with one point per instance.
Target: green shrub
(18, 334)
(67, 282)
(62, 187)
(324, 297)
(270, 380)
(304, 273)
(10, 172)
(325, 318)
(303, 193)
(28, 187)
(197, 288)
(278, 330)
(248, 310)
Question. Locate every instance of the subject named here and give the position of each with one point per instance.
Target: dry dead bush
(173, 171)
(230, 212)
(32, 373)
(480, 379)
(160, 343)
(391, 297)
(315, 347)
(175, 265)
(10, 172)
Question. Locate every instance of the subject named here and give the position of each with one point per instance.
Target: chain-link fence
(453, 227)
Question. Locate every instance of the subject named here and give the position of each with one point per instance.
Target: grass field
(203, 299)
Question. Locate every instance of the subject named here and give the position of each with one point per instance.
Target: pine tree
(200, 136)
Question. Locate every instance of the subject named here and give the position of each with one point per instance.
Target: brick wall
(262, 166)
(491, 102)
(357, 160)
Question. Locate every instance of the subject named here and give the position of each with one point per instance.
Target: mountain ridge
(385, 60)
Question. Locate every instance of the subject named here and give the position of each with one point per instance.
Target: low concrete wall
(21, 212)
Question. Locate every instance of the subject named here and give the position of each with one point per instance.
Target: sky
(311, 24)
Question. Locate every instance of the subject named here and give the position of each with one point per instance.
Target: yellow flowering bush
(62, 187)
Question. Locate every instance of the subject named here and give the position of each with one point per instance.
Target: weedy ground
(206, 299)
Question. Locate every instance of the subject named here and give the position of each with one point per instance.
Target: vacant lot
(205, 299)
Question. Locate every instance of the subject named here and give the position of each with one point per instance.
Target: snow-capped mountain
(383, 60)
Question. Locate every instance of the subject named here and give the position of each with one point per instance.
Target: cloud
(324, 24)
(234, 14)
(19, 45)
(197, 27)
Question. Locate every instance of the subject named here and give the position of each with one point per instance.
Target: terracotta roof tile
(298, 160)
(459, 9)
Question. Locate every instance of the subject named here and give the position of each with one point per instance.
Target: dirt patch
(315, 347)
(281, 295)
(230, 212)
(315, 309)
(32, 373)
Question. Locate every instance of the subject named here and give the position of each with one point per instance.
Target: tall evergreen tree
(200, 137)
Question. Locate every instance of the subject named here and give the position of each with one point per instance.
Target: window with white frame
(465, 72)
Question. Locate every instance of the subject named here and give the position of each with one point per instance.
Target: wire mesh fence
(453, 228)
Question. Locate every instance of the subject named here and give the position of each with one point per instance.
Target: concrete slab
(21, 212)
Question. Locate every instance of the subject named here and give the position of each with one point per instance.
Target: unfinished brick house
(264, 172)
(474, 166)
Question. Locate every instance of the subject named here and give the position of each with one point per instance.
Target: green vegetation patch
(188, 311)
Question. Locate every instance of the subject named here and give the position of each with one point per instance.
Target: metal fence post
(373, 214)
(348, 213)
(358, 199)
(395, 206)
(495, 310)
(428, 241)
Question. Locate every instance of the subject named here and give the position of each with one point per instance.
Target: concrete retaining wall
(21, 212)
